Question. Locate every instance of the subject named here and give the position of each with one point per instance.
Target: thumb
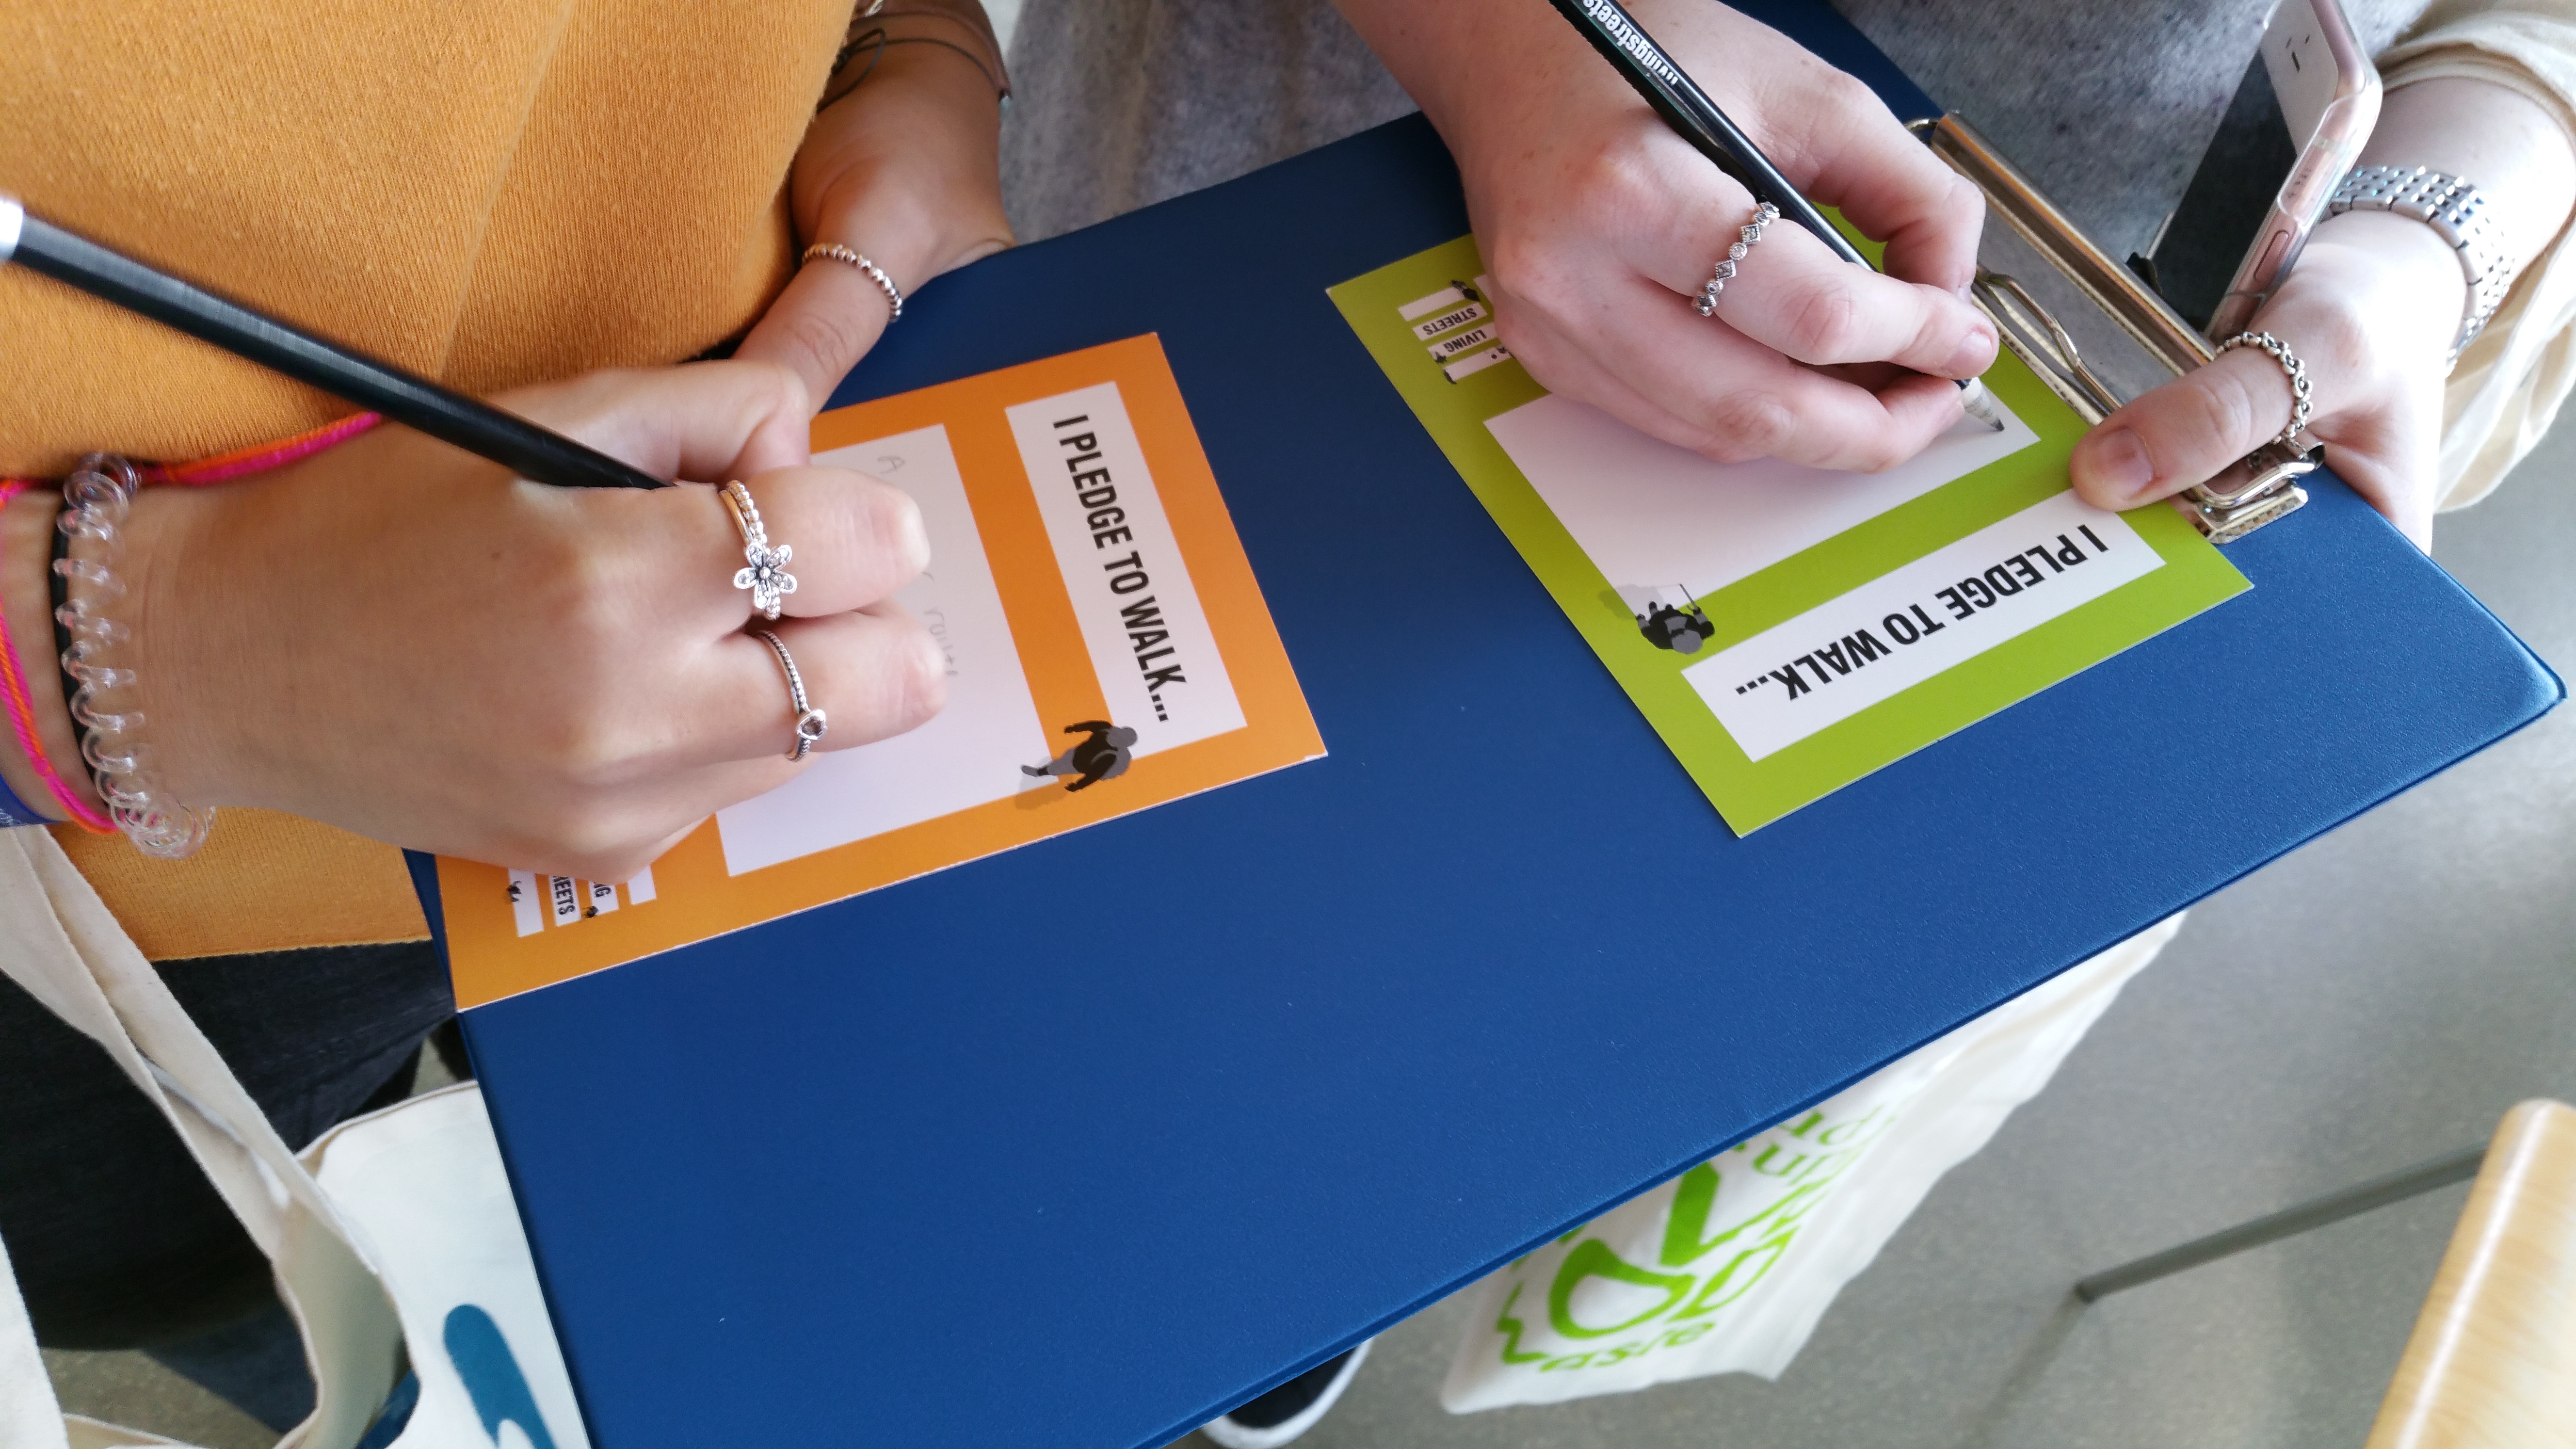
(826, 320)
(2184, 432)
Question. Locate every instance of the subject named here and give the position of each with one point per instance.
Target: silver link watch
(2457, 213)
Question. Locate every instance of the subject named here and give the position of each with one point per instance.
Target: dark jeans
(117, 1238)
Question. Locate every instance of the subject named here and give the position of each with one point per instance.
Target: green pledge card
(1788, 630)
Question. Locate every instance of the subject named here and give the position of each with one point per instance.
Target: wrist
(880, 169)
(1473, 69)
(2397, 275)
(183, 657)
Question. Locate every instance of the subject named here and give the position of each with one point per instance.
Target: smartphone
(2307, 105)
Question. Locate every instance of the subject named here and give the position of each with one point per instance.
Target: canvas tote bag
(396, 1243)
(1727, 1268)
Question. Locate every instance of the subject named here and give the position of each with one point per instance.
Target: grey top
(1120, 103)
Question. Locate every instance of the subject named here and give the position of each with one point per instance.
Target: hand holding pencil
(405, 640)
(1600, 224)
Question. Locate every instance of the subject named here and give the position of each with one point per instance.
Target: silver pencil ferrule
(13, 219)
(1979, 403)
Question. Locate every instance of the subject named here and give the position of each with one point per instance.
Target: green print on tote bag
(1728, 1267)
(1760, 1191)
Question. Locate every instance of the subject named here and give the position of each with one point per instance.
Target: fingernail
(930, 685)
(916, 539)
(2115, 462)
(1975, 354)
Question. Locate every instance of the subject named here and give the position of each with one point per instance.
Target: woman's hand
(402, 639)
(906, 171)
(1600, 226)
(2371, 310)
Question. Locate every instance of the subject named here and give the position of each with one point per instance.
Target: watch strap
(2457, 212)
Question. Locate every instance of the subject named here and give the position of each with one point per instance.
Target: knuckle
(1946, 327)
(1719, 449)
(1613, 172)
(1760, 422)
(1824, 324)
(578, 588)
(891, 684)
(1832, 102)
(1873, 454)
(1529, 270)
(2338, 344)
(2225, 408)
(830, 339)
(878, 527)
(583, 748)
(1963, 203)
(782, 390)
(1847, 96)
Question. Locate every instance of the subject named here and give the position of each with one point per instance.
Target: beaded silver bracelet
(96, 498)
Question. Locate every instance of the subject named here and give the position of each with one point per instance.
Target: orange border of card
(692, 897)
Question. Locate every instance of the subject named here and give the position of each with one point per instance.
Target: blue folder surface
(1086, 1143)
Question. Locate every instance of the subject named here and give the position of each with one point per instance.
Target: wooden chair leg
(2492, 1363)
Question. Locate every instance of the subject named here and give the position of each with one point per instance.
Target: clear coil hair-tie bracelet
(96, 669)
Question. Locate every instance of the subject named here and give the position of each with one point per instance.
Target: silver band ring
(764, 569)
(834, 251)
(1724, 272)
(810, 722)
(2302, 405)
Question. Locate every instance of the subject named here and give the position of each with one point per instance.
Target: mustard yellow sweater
(492, 192)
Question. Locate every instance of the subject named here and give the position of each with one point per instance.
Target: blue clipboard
(1086, 1143)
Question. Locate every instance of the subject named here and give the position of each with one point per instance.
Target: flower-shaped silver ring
(764, 570)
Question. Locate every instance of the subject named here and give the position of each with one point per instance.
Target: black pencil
(1696, 119)
(532, 452)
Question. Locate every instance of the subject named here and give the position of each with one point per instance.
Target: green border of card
(1753, 793)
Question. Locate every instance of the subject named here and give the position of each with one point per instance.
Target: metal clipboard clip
(2255, 490)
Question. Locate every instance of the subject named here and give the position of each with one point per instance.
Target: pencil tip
(1978, 403)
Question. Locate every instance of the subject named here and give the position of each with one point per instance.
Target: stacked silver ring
(2302, 404)
(834, 251)
(810, 722)
(764, 569)
(1724, 272)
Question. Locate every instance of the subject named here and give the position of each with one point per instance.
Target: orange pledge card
(1108, 650)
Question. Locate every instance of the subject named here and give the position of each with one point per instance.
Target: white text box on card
(1904, 627)
(1149, 640)
(1651, 515)
(967, 754)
